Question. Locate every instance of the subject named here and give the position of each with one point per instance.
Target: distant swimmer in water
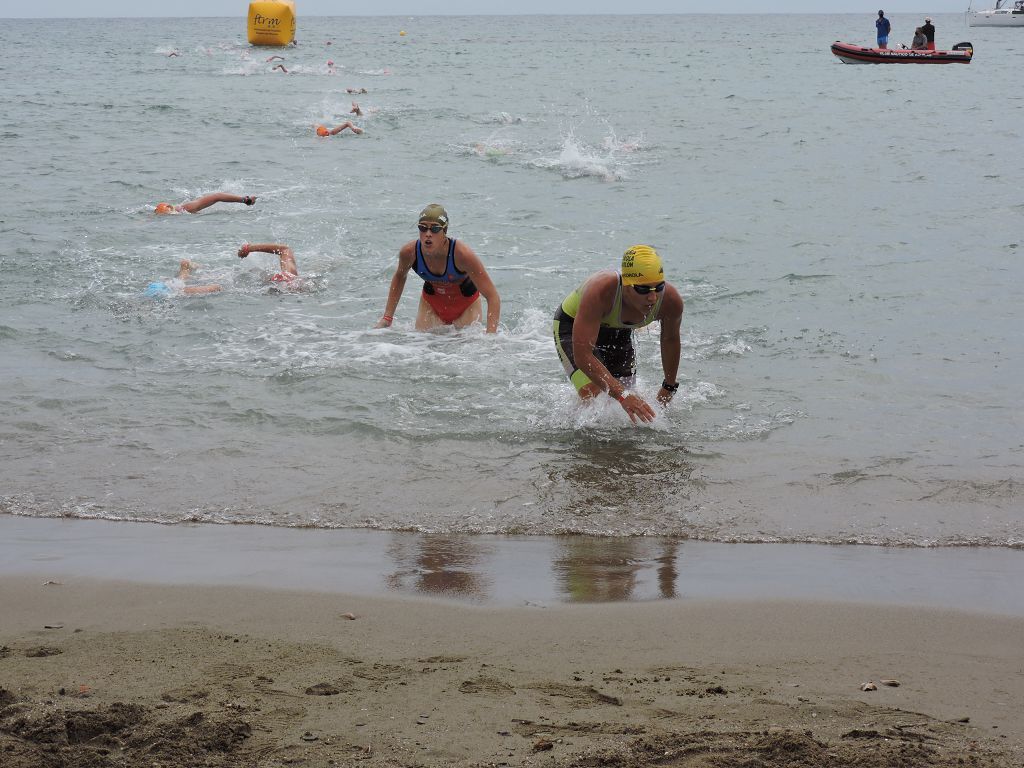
(454, 278)
(288, 272)
(356, 110)
(194, 206)
(275, 58)
(594, 326)
(322, 130)
(279, 66)
(355, 90)
(178, 284)
(173, 53)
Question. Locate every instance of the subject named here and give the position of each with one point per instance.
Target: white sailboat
(1007, 13)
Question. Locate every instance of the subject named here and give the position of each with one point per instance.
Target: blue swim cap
(157, 291)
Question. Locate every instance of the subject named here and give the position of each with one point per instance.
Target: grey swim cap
(436, 213)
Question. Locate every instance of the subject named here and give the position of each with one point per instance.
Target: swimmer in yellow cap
(194, 206)
(594, 327)
(454, 278)
(322, 130)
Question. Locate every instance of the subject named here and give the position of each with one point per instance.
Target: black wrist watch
(669, 387)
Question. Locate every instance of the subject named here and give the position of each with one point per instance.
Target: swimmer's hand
(385, 321)
(665, 396)
(244, 251)
(636, 407)
(249, 200)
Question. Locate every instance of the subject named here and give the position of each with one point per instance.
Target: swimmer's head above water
(641, 264)
(162, 208)
(434, 214)
(186, 267)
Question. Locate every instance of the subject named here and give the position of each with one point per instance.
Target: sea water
(846, 239)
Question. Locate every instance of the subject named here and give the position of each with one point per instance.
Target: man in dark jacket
(883, 27)
(929, 33)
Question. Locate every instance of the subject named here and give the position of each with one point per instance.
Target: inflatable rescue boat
(848, 53)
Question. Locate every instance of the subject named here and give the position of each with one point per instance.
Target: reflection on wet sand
(572, 568)
(437, 564)
(593, 570)
(587, 480)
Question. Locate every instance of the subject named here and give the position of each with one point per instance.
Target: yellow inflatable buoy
(402, 33)
(271, 22)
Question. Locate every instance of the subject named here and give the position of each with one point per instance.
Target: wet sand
(510, 570)
(96, 671)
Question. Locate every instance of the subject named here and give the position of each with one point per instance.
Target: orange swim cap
(164, 208)
(321, 131)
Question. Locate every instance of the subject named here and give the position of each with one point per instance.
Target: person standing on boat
(929, 33)
(883, 28)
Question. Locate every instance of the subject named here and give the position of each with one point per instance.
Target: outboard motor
(963, 47)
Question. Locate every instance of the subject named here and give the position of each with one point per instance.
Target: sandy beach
(103, 673)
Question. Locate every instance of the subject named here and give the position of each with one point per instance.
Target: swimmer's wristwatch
(669, 387)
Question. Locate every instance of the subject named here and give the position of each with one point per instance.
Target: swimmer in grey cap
(453, 276)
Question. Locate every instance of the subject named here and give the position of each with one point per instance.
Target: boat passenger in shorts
(454, 278)
(594, 326)
(882, 27)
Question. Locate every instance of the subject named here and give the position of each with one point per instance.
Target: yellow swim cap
(164, 208)
(321, 131)
(641, 264)
(435, 212)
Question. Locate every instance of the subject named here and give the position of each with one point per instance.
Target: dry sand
(111, 674)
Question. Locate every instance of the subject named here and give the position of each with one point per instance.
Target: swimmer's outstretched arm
(199, 290)
(193, 206)
(406, 257)
(347, 124)
(286, 255)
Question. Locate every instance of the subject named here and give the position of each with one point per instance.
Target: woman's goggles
(643, 290)
(435, 228)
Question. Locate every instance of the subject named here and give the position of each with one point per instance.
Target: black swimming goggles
(643, 290)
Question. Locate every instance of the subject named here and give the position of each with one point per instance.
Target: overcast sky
(116, 8)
